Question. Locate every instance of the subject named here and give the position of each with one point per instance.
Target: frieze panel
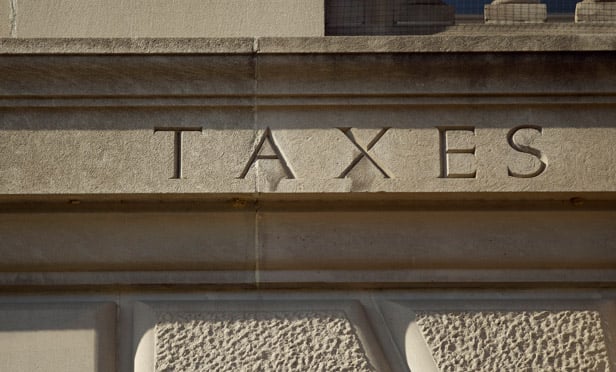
(198, 159)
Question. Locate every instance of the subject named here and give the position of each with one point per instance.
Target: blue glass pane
(476, 6)
(468, 6)
(561, 6)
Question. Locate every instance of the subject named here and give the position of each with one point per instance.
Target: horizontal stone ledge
(127, 46)
(446, 43)
(491, 40)
(289, 248)
(318, 279)
(75, 203)
(437, 278)
(208, 83)
(319, 100)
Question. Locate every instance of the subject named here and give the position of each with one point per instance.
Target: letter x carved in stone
(363, 152)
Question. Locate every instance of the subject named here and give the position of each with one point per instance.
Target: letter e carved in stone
(446, 151)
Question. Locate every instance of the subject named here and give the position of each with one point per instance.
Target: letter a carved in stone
(256, 155)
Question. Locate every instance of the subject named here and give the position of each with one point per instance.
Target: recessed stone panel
(57, 337)
(487, 332)
(524, 340)
(299, 340)
(270, 335)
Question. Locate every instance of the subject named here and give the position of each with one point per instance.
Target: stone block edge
(542, 41)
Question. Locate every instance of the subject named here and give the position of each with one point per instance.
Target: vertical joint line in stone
(255, 118)
(256, 247)
(13, 17)
(267, 136)
(255, 105)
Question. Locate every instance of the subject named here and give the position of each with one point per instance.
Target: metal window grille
(407, 17)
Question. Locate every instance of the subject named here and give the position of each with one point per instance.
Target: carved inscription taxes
(528, 150)
(267, 149)
(256, 155)
(446, 151)
(364, 152)
(177, 146)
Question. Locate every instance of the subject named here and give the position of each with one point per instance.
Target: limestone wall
(438, 330)
(308, 204)
(129, 18)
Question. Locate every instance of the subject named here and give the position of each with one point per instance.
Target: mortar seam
(13, 18)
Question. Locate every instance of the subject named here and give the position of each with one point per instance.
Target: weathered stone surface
(540, 340)
(225, 341)
(57, 337)
(542, 139)
(237, 245)
(529, 330)
(551, 37)
(122, 241)
(262, 127)
(235, 335)
(100, 81)
(485, 41)
(99, 128)
(7, 18)
(423, 330)
(114, 46)
(411, 75)
(398, 330)
(488, 38)
(409, 154)
(456, 240)
(81, 152)
(195, 18)
(129, 151)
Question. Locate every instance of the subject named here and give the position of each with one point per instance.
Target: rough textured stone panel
(516, 341)
(259, 341)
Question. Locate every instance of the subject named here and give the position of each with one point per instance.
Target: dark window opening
(400, 17)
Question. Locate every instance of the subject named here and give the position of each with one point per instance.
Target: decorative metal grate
(401, 17)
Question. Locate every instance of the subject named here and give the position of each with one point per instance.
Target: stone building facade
(217, 186)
